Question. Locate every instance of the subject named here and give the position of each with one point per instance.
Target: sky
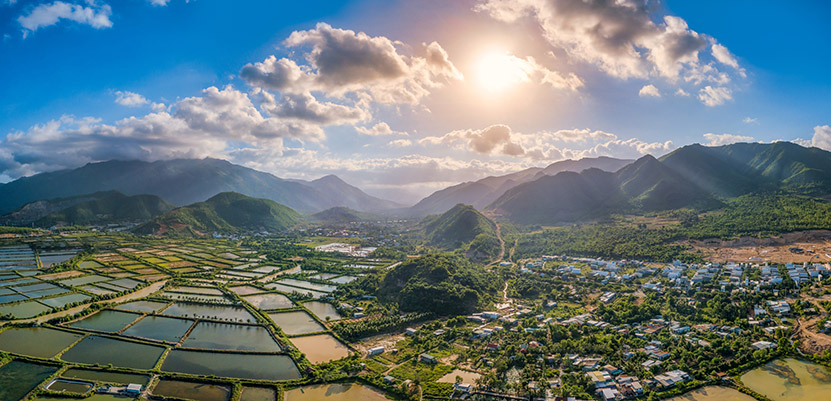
(402, 98)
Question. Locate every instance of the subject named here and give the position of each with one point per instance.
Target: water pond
(241, 366)
(143, 306)
(161, 328)
(257, 394)
(107, 377)
(308, 285)
(18, 378)
(191, 390)
(334, 392)
(713, 393)
(104, 351)
(269, 301)
(321, 348)
(106, 320)
(24, 309)
(232, 337)
(294, 323)
(69, 386)
(790, 380)
(63, 300)
(323, 310)
(289, 289)
(205, 311)
(245, 290)
(39, 342)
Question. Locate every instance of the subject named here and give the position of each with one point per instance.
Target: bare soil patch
(796, 247)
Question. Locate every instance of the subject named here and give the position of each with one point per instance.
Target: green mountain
(99, 208)
(185, 181)
(463, 228)
(693, 176)
(482, 192)
(227, 212)
(442, 284)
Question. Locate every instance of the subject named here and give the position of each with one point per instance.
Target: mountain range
(98, 208)
(483, 192)
(186, 181)
(693, 176)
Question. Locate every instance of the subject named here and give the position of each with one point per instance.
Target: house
(410, 331)
(763, 345)
(376, 350)
(133, 389)
(426, 358)
(463, 387)
(389, 379)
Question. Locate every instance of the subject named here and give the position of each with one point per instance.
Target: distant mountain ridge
(100, 208)
(483, 192)
(693, 176)
(186, 181)
(227, 212)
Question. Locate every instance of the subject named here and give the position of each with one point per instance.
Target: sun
(499, 71)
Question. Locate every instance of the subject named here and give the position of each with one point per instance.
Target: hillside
(186, 181)
(100, 208)
(340, 215)
(694, 176)
(483, 192)
(463, 227)
(227, 212)
(442, 284)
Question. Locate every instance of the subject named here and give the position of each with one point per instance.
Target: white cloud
(711, 96)
(400, 143)
(750, 120)
(160, 3)
(305, 107)
(379, 129)
(649, 91)
(725, 139)
(48, 14)
(681, 92)
(342, 61)
(206, 125)
(821, 138)
(500, 140)
(724, 56)
(623, 38)
(130, 99)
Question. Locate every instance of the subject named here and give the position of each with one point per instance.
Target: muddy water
(334, 392)
(790, 380)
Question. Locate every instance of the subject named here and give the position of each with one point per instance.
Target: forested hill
(227, 212)
(465, 228)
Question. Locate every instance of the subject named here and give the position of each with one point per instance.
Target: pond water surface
(242, 366)
(790, 380)
(334, 392)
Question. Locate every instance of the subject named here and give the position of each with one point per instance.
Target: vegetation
(465, 228)
(439, 283)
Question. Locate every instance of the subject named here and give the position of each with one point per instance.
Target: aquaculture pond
(289, 290)
(191, 390)
(233, 337)
(269, 301)
(298, 322)
(219, 312)
(308, 285)
(104, 351)
(334, 392)
(257, 394)
(39, 342)
(790, 380)
(105, 376)
(69, 386)
(106, 320)
(18, 378)
(24, 309)
(245, 290)
(143, 306)
(713, 393)
(323, 310)
(63, 300)
(321, 348)
(161, 328)
(242, 366)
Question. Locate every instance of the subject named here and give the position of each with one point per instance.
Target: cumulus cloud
(400, 143)
(379, 129)
(198, 126)
(625, 38)
(821, 138)
(725, 139)
(305, 107)
(130, 99)
(711, 96)
(649, 91)
(500, 140)
(48, 14)
(681, 92)
(341, 61)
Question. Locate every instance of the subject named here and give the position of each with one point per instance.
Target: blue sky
(402, 98)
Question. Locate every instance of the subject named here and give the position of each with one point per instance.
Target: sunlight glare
(498, 71)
